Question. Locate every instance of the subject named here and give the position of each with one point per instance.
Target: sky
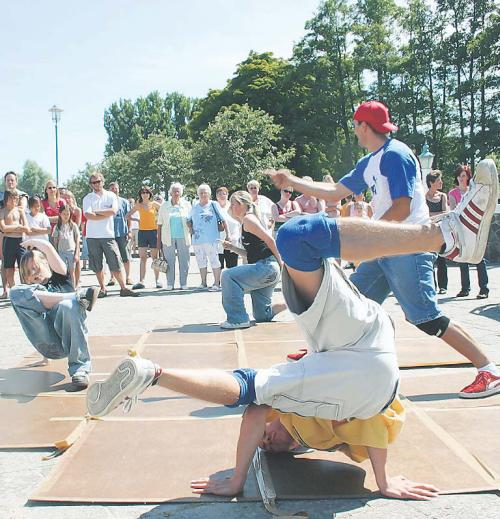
(83, 56)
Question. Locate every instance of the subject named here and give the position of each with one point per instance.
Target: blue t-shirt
(391, 172)
(119, 221)
(204, 221)
(176, 228)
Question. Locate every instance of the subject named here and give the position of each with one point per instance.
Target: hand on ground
(219, 487)
(401, 488)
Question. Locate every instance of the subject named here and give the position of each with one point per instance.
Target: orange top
(147, 218)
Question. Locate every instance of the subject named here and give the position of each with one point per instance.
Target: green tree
(237, 146)
(78, 184)
(323, 90)
(33, 178)
(157, 162)
(127, 123)
(257, 82)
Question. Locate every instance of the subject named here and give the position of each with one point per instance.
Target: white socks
(492, 368)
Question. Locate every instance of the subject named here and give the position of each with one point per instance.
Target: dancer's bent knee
(246, 380)
(304, 241)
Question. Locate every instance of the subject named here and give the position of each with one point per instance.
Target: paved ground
(22, 471)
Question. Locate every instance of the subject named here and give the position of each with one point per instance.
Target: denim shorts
(409, 277)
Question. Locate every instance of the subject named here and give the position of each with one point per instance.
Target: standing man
(10, 184)
(122, 233)
(99, 208)
(392, 172)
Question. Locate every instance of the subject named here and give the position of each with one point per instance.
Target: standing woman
(76, 217)
(463, 176)
(227, 258)
(173, 234)
(52, 203)
(204, 226)
(284, 208)
(437, 202)
(147, 236)
(259, 276)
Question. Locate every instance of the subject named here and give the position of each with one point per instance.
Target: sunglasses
(95, 181)
(287, 191)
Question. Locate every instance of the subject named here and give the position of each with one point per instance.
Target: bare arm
(78, 215)
(54, 260)
(132, 211)
(322, 190)
(398, 487)
(399, 211)
(252, 224)
(252, 430)
(238, 250)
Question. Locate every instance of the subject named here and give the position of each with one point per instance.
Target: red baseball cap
(376, 114)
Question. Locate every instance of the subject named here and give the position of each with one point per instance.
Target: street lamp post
(426, 158)
(56, 117)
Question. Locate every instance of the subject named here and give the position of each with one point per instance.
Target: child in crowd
(13, 225)
(37, 220)
(66, 240)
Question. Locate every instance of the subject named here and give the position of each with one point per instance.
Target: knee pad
(435, 327)
(304, 241)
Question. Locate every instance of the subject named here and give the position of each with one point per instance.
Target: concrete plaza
(21, 471)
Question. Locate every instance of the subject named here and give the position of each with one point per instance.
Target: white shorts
(351, 370)
(207, 253)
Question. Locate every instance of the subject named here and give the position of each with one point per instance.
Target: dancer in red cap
(392, 172)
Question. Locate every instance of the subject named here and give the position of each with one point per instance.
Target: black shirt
(59, 283)
(255, 247)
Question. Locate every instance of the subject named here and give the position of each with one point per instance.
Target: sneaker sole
(484, 394)
(238, 327)
(103, 397)
(484, 227)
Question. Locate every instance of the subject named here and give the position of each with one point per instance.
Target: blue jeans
(409, 277)
(258, 279)
(56, 333)
(178, 244)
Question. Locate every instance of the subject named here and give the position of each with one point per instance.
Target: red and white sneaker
(294, 357)
(465, 229)
(485, 384)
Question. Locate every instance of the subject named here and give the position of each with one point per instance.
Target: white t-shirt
(94, 202)
(233, 225)
(391, 172)
(265, 206)
(134, 223)
(40, 220)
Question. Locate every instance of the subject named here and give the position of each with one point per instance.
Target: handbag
(160, 264)
(220, 221)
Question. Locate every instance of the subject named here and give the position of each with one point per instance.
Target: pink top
(456, 194)
(52, 211)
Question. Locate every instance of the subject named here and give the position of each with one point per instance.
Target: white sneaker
(129, 379)
(184, 287)
(201, 287)
(234, 326)
(466, 228)
(169, 287)
(214, 288)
